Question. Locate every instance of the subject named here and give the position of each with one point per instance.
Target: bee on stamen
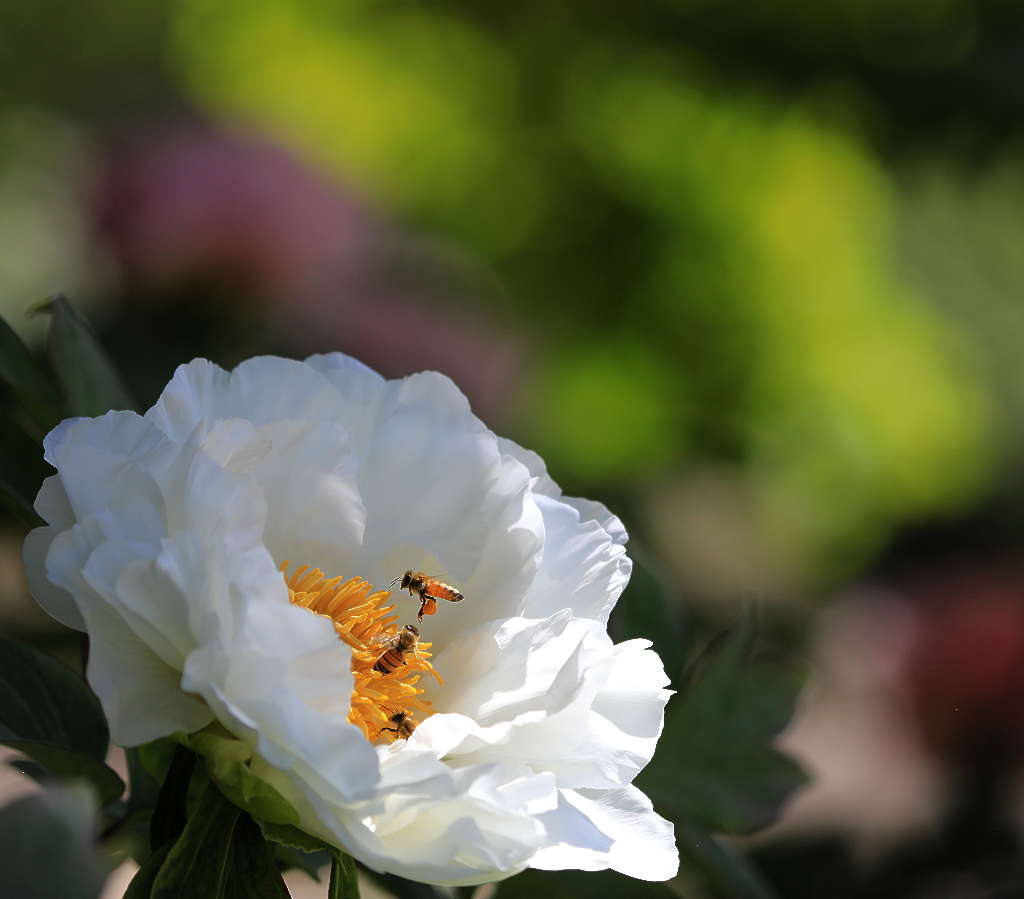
(429, 588)
(404, 725)
(396, 646)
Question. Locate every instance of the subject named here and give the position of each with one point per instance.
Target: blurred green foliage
(710, 273)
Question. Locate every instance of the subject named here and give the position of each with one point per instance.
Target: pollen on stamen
(363, 620)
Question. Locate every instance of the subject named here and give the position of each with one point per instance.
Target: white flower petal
(140, 693)
(58, 602)
(561, 683)
(587, 573)
(543, 485)
(618, 829)
(261, 390)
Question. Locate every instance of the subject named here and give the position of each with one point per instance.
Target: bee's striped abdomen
(389, 661)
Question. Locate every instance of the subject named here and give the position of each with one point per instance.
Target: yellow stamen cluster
(362, 620)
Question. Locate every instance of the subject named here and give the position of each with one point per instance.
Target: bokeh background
(749, 273)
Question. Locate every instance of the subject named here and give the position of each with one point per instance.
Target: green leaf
(584, 884)
(30, 386)
(48, 713)
(141, 886)
(724, 869)
(22, 470)
(715, 762)
(89, 379)
(227, 761)
(288, 835)
(221, 854)
(344, 882)
(65, 763)
(47, 841)
(170, 811)
(45, 701)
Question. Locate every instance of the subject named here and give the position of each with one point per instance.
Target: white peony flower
(217, 548)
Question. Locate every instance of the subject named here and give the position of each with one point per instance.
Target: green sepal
(228, 764)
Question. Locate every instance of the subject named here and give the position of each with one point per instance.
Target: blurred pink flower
(186, 200)
(186, 206)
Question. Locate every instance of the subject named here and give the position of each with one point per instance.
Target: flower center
(386, 700)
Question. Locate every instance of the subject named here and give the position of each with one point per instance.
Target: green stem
(344, 882)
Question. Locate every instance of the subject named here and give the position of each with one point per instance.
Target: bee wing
(388, 640)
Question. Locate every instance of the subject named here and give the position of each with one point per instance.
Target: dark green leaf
(344, 880)
(30, 386)
(169, 814)
(583, 884)
(48, 713)
(143, 788)
(725, 870)
(221, 854)
(89, 379)
(46, 702)
(22, 469)
(65, 763)
(715, 761)
(142, 883)
(47, 841)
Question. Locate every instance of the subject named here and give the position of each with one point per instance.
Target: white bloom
(166, 539)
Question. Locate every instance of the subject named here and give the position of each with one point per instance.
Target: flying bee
(397, 646)
(404, 725)
(430, 590)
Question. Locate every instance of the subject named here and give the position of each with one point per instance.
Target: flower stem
(344, 883)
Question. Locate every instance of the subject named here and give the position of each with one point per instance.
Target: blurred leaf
(227, 761)
(19, 371)
(49, 713)
(649, 610)
(220, 854)
(585, 884)
(715, 761)
(47, 841)
(90, 380)
(725, 870)
(170, 811)
(65, 763)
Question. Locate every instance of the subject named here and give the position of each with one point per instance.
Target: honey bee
(429, 588)
(397, 646)
(404, 725)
